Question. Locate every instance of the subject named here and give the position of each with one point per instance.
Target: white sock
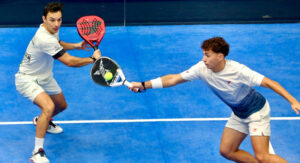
(39, 143)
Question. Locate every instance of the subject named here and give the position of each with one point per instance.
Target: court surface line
(141, 120)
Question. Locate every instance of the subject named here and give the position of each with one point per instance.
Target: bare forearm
(73, 61)
(283, 92)
(167, 81)
(79, 62)
(276, 87)
(67, 46)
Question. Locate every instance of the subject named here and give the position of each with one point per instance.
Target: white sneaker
(39, 157)
(52, 128)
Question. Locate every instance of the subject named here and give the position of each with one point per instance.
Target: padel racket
(104, 65)
(91, 29)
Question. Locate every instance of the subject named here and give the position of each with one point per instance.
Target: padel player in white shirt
(233, 83)
(35, 77)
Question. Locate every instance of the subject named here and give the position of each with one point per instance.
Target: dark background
(153, 12)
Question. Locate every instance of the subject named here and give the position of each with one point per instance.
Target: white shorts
(257, 124)
(30, 86)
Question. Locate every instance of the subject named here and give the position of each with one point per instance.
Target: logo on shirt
(228, 82)
(27, 58)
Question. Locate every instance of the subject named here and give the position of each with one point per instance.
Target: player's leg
(27, 86)
(59, 106)
(259, 129)
(55, 94)
(260, 146)
(60, 103)
(229, 148)
(45, 103)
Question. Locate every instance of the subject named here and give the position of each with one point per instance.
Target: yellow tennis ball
(108, 76)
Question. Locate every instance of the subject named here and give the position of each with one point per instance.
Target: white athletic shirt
(233, 84)
(41, 51)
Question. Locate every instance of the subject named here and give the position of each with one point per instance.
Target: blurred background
(150, 12)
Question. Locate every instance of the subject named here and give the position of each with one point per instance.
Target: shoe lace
(41, 152)
(52, 124)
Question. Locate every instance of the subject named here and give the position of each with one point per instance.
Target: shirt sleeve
(252, 78)
(52, 47)
(193, 72)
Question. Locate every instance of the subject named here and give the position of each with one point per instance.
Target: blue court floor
(182, 124)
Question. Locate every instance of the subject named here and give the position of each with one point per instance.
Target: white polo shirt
(40, 54)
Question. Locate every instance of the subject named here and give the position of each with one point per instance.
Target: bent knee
(225, 152)
(48, 110)
(262, 158)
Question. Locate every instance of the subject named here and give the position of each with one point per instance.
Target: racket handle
(95, 48)
(128, 84)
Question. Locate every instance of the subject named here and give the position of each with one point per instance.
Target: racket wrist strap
(94, 59)
(156, 83)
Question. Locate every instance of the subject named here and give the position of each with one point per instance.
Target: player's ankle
(39, 143)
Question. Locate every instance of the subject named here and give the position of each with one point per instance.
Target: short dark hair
(52, 7)
(217, 45)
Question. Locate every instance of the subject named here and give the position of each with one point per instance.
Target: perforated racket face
(91, 29)
(100, 67)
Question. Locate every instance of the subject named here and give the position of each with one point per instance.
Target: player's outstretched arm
(161, 82)
(276, 87)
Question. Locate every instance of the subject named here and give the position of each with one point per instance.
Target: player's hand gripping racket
(91, 29)
(106, 65)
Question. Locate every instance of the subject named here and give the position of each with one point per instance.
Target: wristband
(94, 59)
(143, 84)
(156, 83)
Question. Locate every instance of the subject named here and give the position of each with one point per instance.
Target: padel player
(232, 82)
(35, 81)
